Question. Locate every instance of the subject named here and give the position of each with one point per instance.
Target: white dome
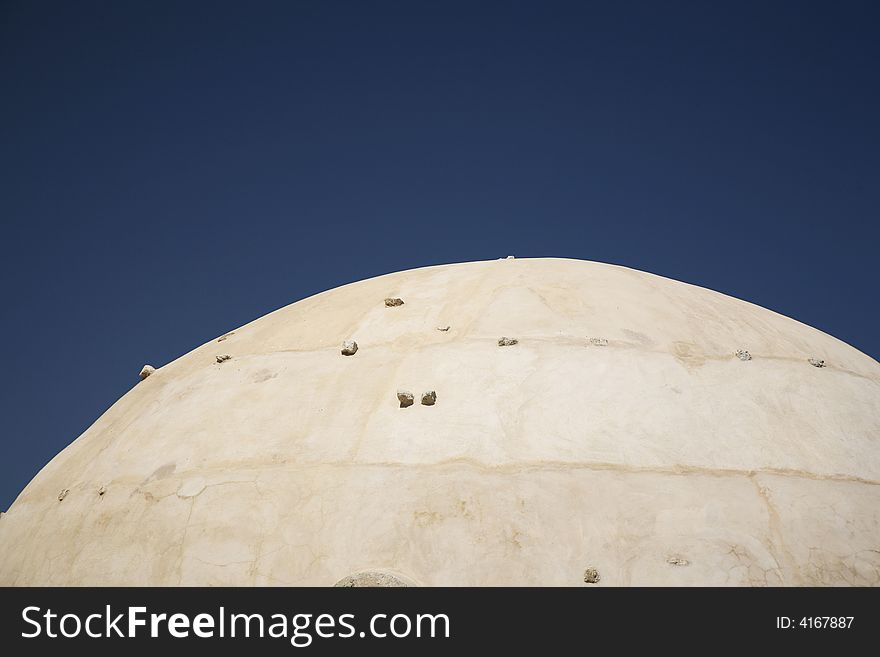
(621, 433)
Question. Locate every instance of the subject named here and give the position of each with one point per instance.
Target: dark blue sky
(169, 171)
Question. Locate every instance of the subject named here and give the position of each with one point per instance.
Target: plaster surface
(621, 433)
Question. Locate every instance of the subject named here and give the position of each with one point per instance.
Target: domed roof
(630, 430)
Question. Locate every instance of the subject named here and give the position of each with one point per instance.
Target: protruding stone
(677, 561)
(349, 348)
(63, 494)
(429, 398)
(443, 328)
(815, 362)
(391, 302)
(510, 257)
(101, 491)
(405, 398)
(223, 358)
(224, 336)
(371, 579)
(146, 370)
(591, 576)
(506, 342)
(742, 354)
(599, 342)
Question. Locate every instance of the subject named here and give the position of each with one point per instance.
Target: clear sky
(172, 170)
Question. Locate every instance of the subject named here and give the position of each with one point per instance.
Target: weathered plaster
(621, 433)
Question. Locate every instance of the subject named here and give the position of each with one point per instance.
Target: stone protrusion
(63, 494)
(405, 398)
(815, 362)
(743, 355)
(146, 370)
(223, 358)
(506, 342)
(591, 576)
(101, 491)
(392, 302)
(349, 348)
(429, 398)
(677, 561)
(599, 342)
(371, 579)
(443, 328)
(224, 336)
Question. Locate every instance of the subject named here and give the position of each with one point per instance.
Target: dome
(590, 425)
